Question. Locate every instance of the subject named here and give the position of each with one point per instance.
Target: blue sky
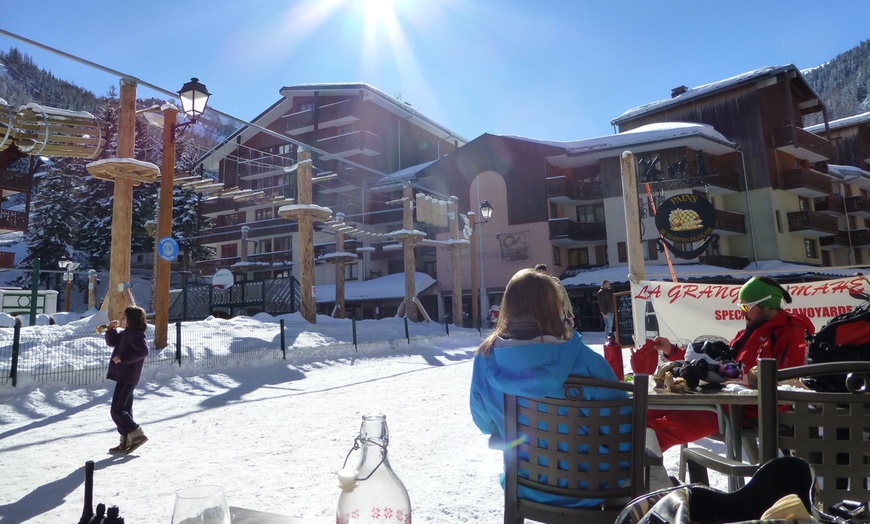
(547, 69)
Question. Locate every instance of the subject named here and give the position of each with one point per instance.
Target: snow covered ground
(271, 432)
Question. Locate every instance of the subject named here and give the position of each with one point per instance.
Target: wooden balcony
(355, 143)
(329, 115)
(860, 237)
(802, 144)
(724, 261)
(729, 223)
(13, 220)
(386, 254)
(841, 239)
(830, 205)
(566, 192)
(217, 205)
(275, 257)
(566, 232)
(15, 181)
(858, 205)
(806, 182)
(7, 259)
(811, 223)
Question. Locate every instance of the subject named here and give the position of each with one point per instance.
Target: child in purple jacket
(125, 368)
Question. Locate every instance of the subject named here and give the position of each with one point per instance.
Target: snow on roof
(841, 122)
(700, 91)
(847, 173)
(390, 286)
(124, 160)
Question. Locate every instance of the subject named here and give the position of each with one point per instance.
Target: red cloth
(783, 337)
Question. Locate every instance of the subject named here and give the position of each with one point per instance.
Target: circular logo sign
(167, 248)
(685, 218)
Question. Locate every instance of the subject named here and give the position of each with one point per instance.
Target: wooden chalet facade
(357, 136)
(16, 176)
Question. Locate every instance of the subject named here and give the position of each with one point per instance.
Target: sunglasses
(746, 306)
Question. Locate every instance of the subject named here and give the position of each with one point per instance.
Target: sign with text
(686, 219)
(684, 311)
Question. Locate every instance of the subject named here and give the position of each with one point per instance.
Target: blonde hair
(531, 307)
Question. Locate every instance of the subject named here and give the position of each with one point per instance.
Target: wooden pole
(339, 278)
(456, 257)
(122, 208)
(164, 229)
(408, 248)
(636, 269)
(306, 239)
(92, 289)
(475, 308)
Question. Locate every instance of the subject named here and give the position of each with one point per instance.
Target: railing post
(283, 342)
(447, 327)
(407, 333)
(178, 342)
(353, 327)
(16, 342)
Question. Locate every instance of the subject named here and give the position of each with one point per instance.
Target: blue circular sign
(167, 248)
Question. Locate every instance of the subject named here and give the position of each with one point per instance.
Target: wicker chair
(582, 449)
(828, 430)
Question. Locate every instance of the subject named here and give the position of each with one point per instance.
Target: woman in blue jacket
(125, 368)
(530, 353)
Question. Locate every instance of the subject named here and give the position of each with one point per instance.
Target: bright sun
(377, 11)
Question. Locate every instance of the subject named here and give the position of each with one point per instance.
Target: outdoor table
(712, 397)
(252, 516)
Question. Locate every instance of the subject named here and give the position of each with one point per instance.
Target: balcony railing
(730, 222)
(565, 229)
(812, 224)
(802, 144)
(572, 191)
(273, 257)
(7, 259)
(357, 142)
(830, 205)
(860, 237)
(841, 239)
(329, 115)
(217, 263)
(13, 220)
(724, 261)
(15, 181)
(806, 182)
(858, 205)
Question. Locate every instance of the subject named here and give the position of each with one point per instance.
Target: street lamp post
(194, 98)
(477, 250)
(68, 276)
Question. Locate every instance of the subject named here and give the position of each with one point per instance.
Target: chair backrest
(582, 449)
(831, 431)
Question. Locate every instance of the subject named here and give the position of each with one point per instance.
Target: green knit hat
(756, 289)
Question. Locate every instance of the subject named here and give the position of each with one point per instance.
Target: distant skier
(125, 368)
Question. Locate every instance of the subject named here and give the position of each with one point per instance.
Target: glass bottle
(371, 492)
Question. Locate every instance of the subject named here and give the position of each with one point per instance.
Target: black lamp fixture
(194, 98)
(485, 210)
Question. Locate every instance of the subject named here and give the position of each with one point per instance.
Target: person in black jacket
(125, 368)
(605, 305)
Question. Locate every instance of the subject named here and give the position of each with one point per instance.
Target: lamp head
(194, 97)
(486, 210)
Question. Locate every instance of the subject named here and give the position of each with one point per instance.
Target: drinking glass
(201, 505)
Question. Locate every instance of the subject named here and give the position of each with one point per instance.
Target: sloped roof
(842, 122)
(709, 90)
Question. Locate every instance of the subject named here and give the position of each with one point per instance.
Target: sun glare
(377, 11)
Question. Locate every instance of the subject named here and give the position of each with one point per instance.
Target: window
(263, 214)
(554, 210)
(231, 219)
(307, 106)
(557, 256)
(804, 203)
(778, 221)
(601, 255)
(621, 252)
(859, 259)
(811, 249)
(578, 257)
(229, 250)
(351, 271)
(263, 246)
(345, 129)
(590, 213)
(283, 243)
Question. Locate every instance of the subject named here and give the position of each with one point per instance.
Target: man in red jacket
(770, 332)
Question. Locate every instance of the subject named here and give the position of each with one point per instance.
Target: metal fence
(80, 356)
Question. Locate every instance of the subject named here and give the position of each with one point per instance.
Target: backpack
(844, 337)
